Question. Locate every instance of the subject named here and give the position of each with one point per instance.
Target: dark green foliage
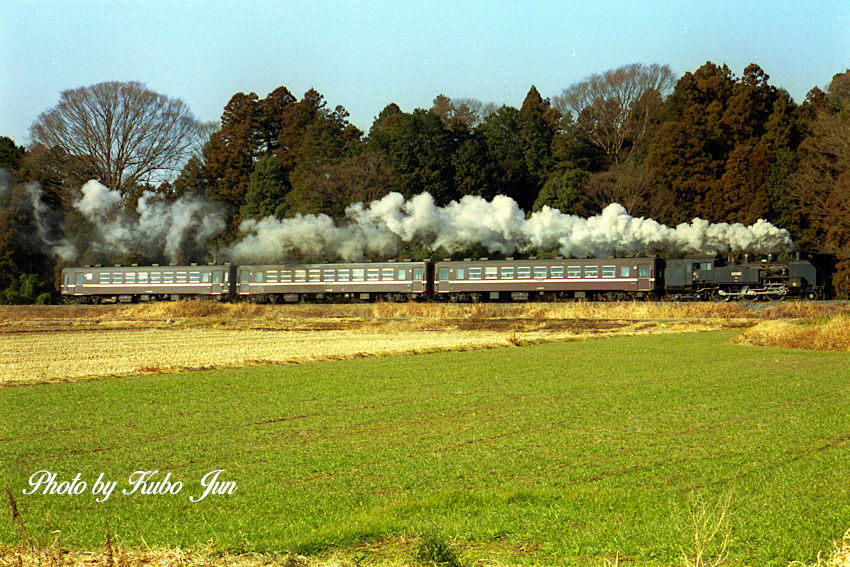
(10, 154)
(419, 149)
(231, 151)
(434, 549)
(717, 145)
(783, 210)
(562, 190)
(193, 178)
(332, 187)
(267, 189)
(28, 288)
(503, 136)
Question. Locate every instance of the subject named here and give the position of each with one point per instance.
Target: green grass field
(563, 453)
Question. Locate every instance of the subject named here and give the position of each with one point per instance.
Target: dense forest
(709, 144)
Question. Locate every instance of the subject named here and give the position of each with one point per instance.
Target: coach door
(443, 273)
(644, 277)
(216, 287)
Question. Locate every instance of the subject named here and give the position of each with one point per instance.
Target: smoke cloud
(158, 227)
(381, 227)
(46, 222)
(175, 230)
(98, 200)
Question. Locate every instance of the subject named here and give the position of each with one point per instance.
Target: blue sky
(365, 55)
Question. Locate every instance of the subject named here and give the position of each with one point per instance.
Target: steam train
(696, 279)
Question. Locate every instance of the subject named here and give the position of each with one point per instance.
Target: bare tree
(469, 111)
(124, 133)
(631, 185)
(614, 109)
(821, 185)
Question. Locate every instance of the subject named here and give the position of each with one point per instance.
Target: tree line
(709, 144)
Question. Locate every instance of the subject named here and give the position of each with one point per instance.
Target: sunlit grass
(569, 453)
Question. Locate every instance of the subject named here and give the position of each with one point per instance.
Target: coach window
(609, 271)
(444, 273)
(387, 274)
(195, 277)
(557, 271)
(402, 274)
(143, 277)
(540, 272)
(417, 274)
(216, 277)
(156, 277)
(271, 276)
(573, 271)
(65, 279)
(591, 271)
(507, 273)
(258, 277)
(104, 277)
(79, 278)
(343, 275)
(301, 275)
(116, 278)
(167, 277)
(358, 274)
(286, 275)
(181, 277)
(624, 271)
(245, 277)
(475, 273)
(643, 271)
(460, 273)
(328, 275)
(205, 277)
(706, 266)
(523, 272)
(373, 274)
(315, 275)
(491, 273)
(130, 277)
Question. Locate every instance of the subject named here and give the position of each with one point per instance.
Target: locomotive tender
(467, 280)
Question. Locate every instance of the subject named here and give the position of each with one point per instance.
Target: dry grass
(47, 343)
(55, 556)
(840, 555)
(570, 310)
(832, 333)
(45, 357)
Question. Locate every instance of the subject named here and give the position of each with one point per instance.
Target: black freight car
(518, 280)
(359, 281)
(93, 284)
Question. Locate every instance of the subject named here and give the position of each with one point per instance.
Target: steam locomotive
(703, 278)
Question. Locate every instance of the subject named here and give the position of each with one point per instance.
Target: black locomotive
(706, 278)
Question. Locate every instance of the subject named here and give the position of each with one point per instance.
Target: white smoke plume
(98, 200)
(158, 228)
(41, 213)
(6, 182)
(47, 222)
(499, 225)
